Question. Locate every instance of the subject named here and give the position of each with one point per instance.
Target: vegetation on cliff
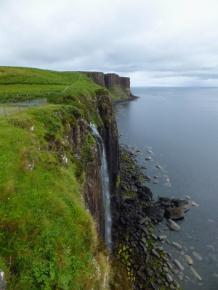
(48, 239)
(18, 84)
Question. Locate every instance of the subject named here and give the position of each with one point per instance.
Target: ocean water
(178, 129)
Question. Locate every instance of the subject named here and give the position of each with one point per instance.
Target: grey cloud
(155, 42)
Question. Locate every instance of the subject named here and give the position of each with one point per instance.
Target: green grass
(47, 238)
(20, 84)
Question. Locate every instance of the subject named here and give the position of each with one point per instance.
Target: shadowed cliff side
(118, 86)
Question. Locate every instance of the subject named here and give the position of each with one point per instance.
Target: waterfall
(105, 184)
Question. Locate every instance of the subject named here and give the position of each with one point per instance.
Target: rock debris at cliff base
(134, 214)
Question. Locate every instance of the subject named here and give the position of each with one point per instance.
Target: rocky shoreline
(138, 249)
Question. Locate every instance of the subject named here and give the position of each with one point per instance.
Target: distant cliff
(118, 86)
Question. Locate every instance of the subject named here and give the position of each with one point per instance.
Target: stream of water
(105, 184)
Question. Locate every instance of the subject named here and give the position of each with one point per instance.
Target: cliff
(52, 210)
(118, 86)
(52, 214)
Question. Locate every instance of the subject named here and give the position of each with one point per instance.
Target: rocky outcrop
(174, 208)
(97, 77)
(114, 81)
(117, 85)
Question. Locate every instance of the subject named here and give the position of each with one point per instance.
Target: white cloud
(157, 42)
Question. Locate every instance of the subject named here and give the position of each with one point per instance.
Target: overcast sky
(156, 42)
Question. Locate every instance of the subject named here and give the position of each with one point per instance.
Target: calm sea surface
(178, 129)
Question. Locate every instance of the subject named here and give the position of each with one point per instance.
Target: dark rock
(169, 278)
(139, 212)
(175, 213)
(97, 77)
(148, 158)
(178, 265)
(155, 253)
(141, 275)
(175, 208)
(155, 213)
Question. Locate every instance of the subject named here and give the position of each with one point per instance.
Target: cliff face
(91, 165)
(110, 135)
(50, 163)
(108, 131)
(114, 81)
(50, 167)
(97, 77)
(117, 85)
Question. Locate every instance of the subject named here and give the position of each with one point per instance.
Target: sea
(177, 129)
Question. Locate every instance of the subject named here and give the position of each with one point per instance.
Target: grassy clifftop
(18, 84)
(47, 238)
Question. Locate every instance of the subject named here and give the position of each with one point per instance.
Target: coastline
(129, 99)
(135, 214)
(181, 245)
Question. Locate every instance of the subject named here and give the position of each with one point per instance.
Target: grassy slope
(47, 238)
(17, 84)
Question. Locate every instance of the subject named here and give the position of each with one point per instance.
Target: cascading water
(105, 183)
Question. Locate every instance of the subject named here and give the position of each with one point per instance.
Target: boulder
(189, 260)
(175, 208)
(178, 265)
(177, 245)
(173, 225)
(195, 273)
(175, 213)
(169, 278)
(195, 204)
(162, 238)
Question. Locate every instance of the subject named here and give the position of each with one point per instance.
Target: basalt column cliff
(117, 85)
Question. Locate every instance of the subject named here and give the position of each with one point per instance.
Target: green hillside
(19, 84)
(47, 238)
